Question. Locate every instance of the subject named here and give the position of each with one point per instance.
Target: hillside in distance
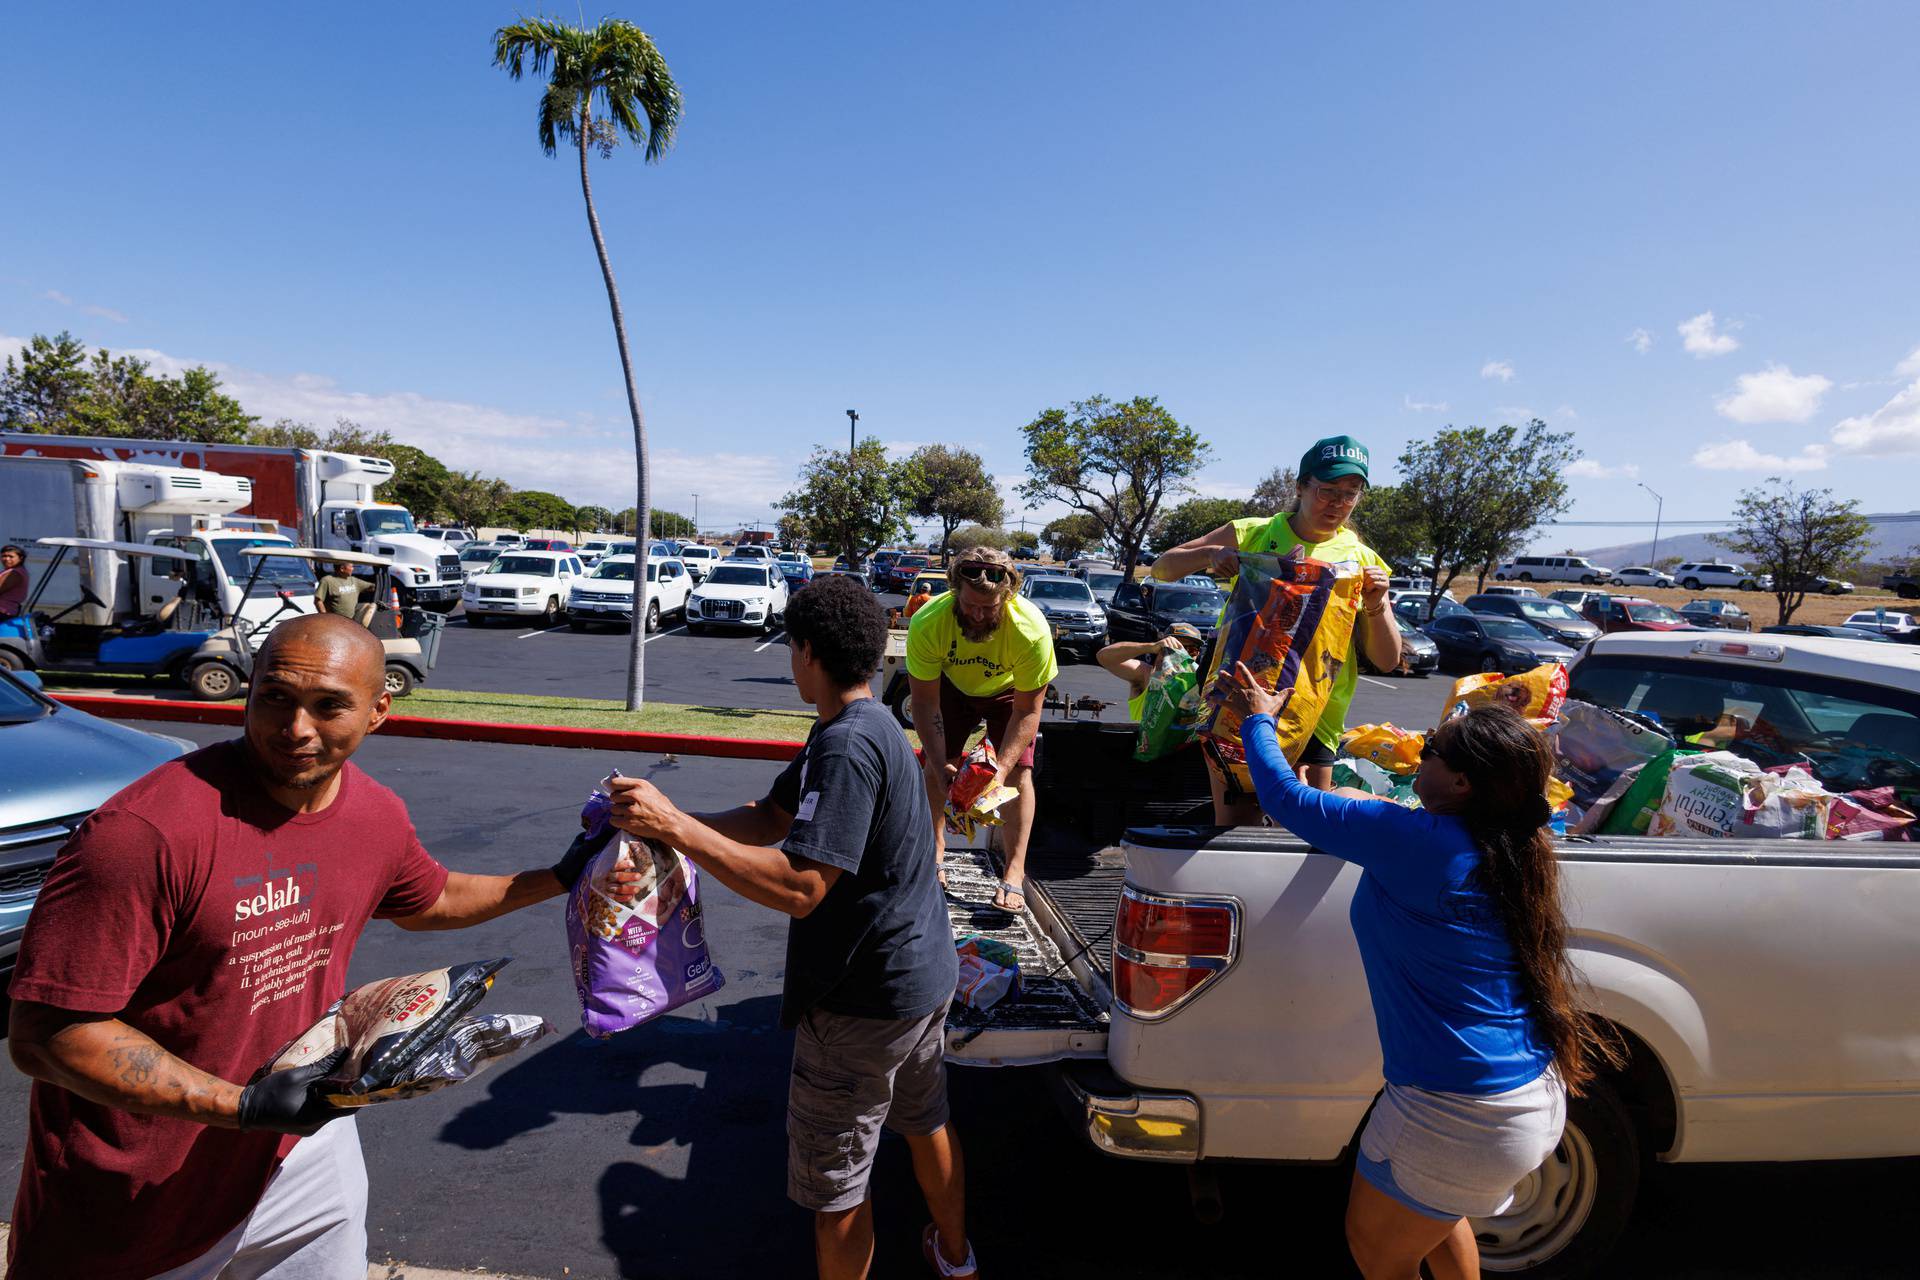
(1896, 538)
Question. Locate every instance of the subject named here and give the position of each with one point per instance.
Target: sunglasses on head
(983, 573)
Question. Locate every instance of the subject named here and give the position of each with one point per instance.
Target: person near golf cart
(340, 592)
(15, 581)
(114, 638)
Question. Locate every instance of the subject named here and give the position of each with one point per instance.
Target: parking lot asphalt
(659, 1153)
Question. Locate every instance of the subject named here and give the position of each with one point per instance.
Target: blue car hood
(69, 762)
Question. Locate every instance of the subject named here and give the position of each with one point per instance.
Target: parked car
(738, 593)
(699, 559)
(476, 556)
(545, 544)
(751, 551)
(1641, 576)
(592, 549)
(1079, 623)
(56, 766)
(1488, 642)
(1201, 580)
(901, 571)
(1419, 655)
(1147, 610)
(1905, 585)
(878, 564)
(1024, 552)
(451, 535)
(1146, 558)
(1576, 598)
(1696, 574)
(521, 584)
(1103, 580)
(1900, 626)
(857, 576)
(1551, 618)
(932, 581)
(606, 594)
(1836, 632)
(1414, 609)
(1078, 563)
(1509, 591)
(1724, 615)
(798, 573)
(1821, 585)
(1631, 613)
(1552, 569)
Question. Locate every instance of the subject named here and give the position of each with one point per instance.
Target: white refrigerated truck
(318, 497)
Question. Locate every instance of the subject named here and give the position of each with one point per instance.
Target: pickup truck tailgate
(1061, 1012)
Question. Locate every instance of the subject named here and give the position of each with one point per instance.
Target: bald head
(334, 644)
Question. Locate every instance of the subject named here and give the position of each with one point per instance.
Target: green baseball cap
(1334, 457)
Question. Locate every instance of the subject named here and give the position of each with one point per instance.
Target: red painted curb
(527, 735)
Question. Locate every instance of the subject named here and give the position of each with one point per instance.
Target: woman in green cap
(1332, 480)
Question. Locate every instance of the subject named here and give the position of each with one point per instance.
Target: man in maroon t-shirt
(196, 923)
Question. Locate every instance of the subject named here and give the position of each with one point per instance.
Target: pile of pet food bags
(1616, 773)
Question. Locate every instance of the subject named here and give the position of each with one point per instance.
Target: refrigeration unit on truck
(135, 502)
(320, 499)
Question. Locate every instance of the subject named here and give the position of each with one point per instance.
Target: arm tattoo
(137, 1066)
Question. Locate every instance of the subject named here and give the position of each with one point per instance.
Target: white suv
(699, 559)
(1695, 574)
(738, 593)
(1553, 569)
(606, 594)
(521, 584)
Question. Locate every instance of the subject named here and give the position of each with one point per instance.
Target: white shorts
(1457, 1155)
(310, 1223)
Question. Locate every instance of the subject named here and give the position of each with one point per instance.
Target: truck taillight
(1166, 950)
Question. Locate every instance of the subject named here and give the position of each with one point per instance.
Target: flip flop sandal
(930, 1249)
(1008, 889)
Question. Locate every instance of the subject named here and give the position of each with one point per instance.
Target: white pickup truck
(1202, 995)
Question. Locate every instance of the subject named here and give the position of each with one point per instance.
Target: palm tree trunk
(637, 659)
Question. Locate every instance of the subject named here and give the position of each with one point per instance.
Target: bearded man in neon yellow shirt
(982, 652)
(1332, 480)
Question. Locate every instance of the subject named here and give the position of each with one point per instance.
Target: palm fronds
(613, 70)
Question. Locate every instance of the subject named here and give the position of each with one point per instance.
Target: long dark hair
(1508, 762)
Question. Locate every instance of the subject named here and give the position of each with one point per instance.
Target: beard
(290, 777)
(979, 632)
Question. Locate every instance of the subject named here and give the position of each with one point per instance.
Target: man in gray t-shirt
(870, 959)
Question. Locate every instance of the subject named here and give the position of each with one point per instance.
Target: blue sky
(1284, 221)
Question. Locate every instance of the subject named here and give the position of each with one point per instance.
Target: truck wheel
(899, 700)
(214, 681)
(1691, 584)
(1526, 577)
(653, 615)
(551, 612)
(1567, 1214)
(400, 681)
(1586, 579)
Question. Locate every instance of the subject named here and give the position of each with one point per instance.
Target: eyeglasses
(1336, 495)
(983, 573)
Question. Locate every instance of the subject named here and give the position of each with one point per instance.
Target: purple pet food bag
(634, 961)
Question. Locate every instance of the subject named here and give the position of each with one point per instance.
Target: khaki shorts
(850, 1077)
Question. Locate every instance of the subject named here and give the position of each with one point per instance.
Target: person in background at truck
(870, 960)
(918, 599)
(155, 975)
(1458, 920)
(340, 592)
(1134, 660)
(982, 652)
(1332, 481)
(15, 582)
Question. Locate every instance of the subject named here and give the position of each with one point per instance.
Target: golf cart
(129, 644)
(411, 637)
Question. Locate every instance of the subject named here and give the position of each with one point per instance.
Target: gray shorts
(850, 1077)
(1456, 1155)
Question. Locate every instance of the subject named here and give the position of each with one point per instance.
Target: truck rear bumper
(1121, 1120)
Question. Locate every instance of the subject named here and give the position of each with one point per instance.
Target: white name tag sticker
(807, 806)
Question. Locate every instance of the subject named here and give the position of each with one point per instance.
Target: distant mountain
(1894, 539)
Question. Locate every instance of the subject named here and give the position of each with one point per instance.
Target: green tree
(1023, 538)
(40, 390)
(670, 524)
(1116, 462)
(1475, 494)
(420, 482)
(1277, 491)
(121, 399)
(537, 509)
(953, 487)
(1070, 535)
(472, 500)
(592, 519)
(793, 530)
(193, 407)
(1197, 516)
(1393, 523)
(606, 81)
(285, 433)
(855, 503)
(1796, 535)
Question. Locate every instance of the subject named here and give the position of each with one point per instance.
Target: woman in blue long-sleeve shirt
(1458, 920)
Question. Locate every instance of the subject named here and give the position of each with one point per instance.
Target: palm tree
(605, 82)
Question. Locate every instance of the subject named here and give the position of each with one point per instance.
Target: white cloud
(1593, 469)
(1500, 369)
(1740, 455)
(585, 458)
(1776, 394)
(1910, 367)
(1640, 340)
(1424, 406)
(1515, 413)
(1701, 340)
(88, 308)
(1893, 428)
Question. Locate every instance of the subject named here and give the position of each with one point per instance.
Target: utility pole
(853, 421)
(1659, 505)
(696, 515)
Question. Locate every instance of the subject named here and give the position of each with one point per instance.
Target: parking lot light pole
(853, 421)
(1659, 505)
(696, 517)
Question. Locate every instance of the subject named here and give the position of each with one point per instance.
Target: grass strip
(605, 713)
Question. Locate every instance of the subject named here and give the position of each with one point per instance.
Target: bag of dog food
(1593, 746)
(410, 1035)
(1290, 620)
(633, 961)
(1171, 711)
(1394, 749)
(973, 801)
(1537, 694)
(989, 972)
